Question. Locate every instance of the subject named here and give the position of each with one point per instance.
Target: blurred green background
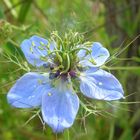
(114, 23)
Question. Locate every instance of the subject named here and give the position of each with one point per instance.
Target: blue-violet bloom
(62, 67)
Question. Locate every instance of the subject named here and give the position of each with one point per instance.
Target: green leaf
(24, 10)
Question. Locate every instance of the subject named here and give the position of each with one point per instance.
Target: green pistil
(65, 52)
(55, 51)
(68, 64)
(59, 38)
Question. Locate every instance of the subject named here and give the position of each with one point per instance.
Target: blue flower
(53, 90)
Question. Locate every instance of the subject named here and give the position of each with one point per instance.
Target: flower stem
(111, 134)
(121, 68)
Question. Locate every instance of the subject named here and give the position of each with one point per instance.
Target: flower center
(63, 58)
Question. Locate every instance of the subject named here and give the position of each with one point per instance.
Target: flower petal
(81, 54)
(97, 58)
(59, 107)
(100, 85)
(99, 53)
(34, 49)
(27, 91)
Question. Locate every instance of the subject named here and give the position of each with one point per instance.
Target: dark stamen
(54, 75)
(72, 73)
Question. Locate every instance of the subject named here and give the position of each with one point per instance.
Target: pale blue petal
(81, 54)
(86, 63)
(100, 85)
(99, 53)
(52, 46)
(59, 107)
(98, 56)
(34, 49)
(27, 91)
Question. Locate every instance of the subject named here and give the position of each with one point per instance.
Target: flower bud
(5, 30)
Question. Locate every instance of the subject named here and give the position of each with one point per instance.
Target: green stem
(111, 134)
(23, 28)
(84, 106)
(128, 103)
(14, 43)
(121, 68)
(68, 134)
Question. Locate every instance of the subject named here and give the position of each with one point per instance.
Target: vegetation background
(114, 23)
